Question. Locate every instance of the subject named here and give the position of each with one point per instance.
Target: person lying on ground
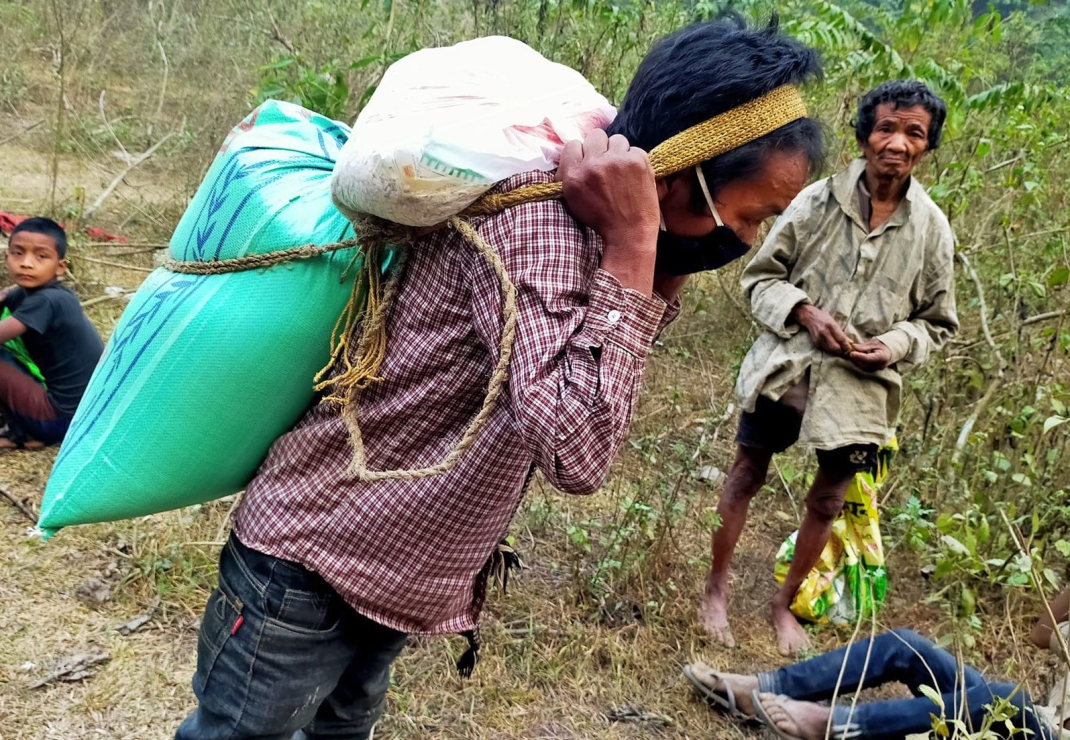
(854, 286)
(788, 700)
(327, 573)
(50, 347)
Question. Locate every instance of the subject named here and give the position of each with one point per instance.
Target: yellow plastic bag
(849, 581)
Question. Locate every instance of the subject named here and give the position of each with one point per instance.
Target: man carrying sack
(361, 528)
(854, 285)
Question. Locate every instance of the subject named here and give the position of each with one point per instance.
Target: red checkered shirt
(410, 554)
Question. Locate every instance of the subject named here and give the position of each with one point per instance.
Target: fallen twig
(130, 627)
(276, 35)
(153, 245)
(26, 130)
(105, 298)
(112, 263)
(122, 175)
(26, 510)
(73, 668)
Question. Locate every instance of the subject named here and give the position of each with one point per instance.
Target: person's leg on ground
(25, 405)
(900, 656)
(790, 695)
(275, 641)
(745, 479)
(772, 427)
(356, 704)
(824, 502)
(897, 718)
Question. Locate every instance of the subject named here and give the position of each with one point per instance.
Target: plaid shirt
(410, 554)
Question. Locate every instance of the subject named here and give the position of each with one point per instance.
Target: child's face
(32, 260)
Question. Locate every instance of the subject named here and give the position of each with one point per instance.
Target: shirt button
(613, 317)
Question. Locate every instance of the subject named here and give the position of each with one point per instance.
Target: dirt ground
(556, 663)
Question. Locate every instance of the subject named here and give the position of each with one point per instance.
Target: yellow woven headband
(728, 131)
(689, 148)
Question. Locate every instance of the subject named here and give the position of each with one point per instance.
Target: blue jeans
(905, 657)
(280, 652)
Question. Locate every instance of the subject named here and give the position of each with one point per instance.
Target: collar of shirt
(845, 189)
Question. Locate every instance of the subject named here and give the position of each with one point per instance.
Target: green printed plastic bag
(18, 350)
(849, 581)
(203, 373)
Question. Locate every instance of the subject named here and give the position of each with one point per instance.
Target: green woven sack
(204, 372)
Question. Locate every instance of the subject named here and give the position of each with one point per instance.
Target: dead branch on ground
(112, 263)
(20, 505)
(129, 167)
(26, 130)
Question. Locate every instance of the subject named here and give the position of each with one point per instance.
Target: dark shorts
(774, 426)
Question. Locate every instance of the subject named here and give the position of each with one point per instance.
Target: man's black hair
(709, 68)
(45, 227)
(901, 94)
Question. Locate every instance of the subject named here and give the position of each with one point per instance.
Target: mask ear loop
(706, 193)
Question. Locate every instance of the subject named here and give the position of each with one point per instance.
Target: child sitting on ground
(43, 377)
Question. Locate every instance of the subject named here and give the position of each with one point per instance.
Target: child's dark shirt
(60, 338)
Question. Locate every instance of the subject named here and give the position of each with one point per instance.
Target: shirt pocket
(880, 306)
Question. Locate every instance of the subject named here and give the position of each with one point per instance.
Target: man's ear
(62, 268)
(663, 189)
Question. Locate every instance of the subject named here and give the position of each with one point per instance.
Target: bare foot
(791, 639)
(10, 444)
(720, 683)
(713, 612)
(801, 719)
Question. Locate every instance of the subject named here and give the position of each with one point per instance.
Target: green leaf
(933, 695)
(955, 546)
(1058, 277)
(1053, 421)
(364, 62)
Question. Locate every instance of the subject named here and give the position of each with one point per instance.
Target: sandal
(724, 700)
(838, 731)
(763, 715)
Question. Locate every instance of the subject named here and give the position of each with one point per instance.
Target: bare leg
(745, 479)
(823, 503)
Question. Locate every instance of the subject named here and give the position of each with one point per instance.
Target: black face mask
(678, 255)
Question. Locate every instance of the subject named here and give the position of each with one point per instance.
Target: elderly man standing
(854, 286)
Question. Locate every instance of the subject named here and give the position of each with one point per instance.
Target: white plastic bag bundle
(446, 124)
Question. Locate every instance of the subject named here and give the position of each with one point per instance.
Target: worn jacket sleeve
(934, 320)
(765, 280)
(580, 349)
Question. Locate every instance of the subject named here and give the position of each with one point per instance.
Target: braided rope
(256, 261)
(689, 148)
(372, 330)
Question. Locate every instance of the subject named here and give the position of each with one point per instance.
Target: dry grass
(559, 656)
(555, 662)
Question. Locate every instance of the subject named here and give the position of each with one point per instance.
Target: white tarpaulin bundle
(446, 124)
